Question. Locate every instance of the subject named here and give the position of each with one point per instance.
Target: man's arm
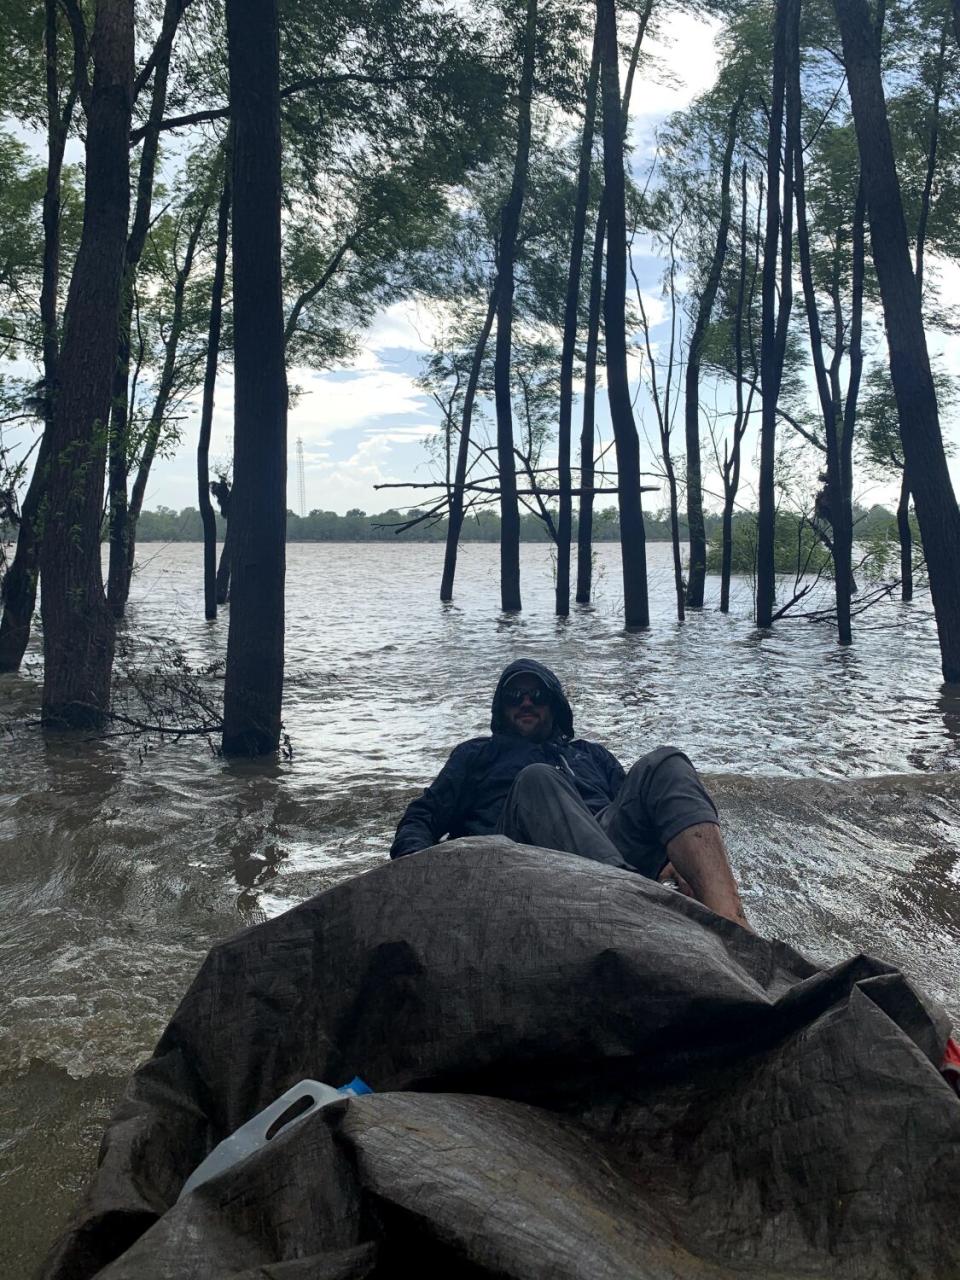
(613, 770)
(432, 815)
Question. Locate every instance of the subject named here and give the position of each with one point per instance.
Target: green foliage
(797, 549)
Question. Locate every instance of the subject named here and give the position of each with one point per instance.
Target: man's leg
(664, 814)
(544, 808)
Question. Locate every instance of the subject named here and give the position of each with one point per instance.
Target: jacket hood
(562, 714)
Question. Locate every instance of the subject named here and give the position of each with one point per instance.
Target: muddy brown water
(837, 774)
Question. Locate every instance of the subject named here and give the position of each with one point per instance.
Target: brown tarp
(578, 1073)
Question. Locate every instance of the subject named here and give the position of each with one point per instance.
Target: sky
(366, 424)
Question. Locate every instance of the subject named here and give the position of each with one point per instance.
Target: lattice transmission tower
(301, 478)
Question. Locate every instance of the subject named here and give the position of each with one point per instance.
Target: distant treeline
(166, 525)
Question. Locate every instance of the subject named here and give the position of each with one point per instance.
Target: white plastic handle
(253, 1135)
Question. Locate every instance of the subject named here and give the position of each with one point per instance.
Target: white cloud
(409, 325)
(350, 483)
(685, 64)
(334, 403)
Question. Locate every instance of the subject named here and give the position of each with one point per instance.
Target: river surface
(837, 774)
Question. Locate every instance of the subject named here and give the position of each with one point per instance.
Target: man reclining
(535, 783)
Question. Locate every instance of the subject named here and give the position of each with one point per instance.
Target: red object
(950, 1066)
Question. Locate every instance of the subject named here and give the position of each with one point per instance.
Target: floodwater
(837, 774)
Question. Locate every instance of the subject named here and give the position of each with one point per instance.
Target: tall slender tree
(594, 307)
(570, 317)
(253, 687)
(119, 446)
(509, 223)
(456, 498)
(587, 426)
(214, 329)
(775, 309)
(632, 537)
(697, 570)
(926, 463)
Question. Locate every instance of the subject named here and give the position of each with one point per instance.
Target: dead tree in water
(78, 633)
(253, 686)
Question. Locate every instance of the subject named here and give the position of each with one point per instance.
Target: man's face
(526, 708)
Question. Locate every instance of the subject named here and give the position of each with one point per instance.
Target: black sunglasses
(515, 697)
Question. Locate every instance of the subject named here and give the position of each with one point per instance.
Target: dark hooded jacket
(466, 798)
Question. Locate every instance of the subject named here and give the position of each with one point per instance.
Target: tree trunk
(906, 542)
(509, 226)
(932, 147)
(209, 386)
(19, 595)
(632, 539)
(78, 635)
(121, 518)
(571, 314)
(855, 358)
(455, 518)
(697, 571)
(253, 687)
(775, 315)
(665, 422)
(155, 425)
(223, 569)
(587, 428)
(833, 422)
(926, 464)
(731, 464)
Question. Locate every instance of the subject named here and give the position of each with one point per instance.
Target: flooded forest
(692, 380)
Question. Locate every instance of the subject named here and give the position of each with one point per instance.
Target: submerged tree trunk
(19, 595)
(926, 463)
(697, 571)
(253, 686)
(587, 428)
(587, 432)
(840, 517)
(855, 358)
(632, 539)
(455, 519)
(731, 462)
(509, 226)
(571, 313)
(122, 520)
(662, 408)
(222, 585)
(775, 313)
(906, 542)
(78, 635)
(155, 425)
(209, 387)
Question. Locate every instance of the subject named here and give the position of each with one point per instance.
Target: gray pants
(661, 796)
